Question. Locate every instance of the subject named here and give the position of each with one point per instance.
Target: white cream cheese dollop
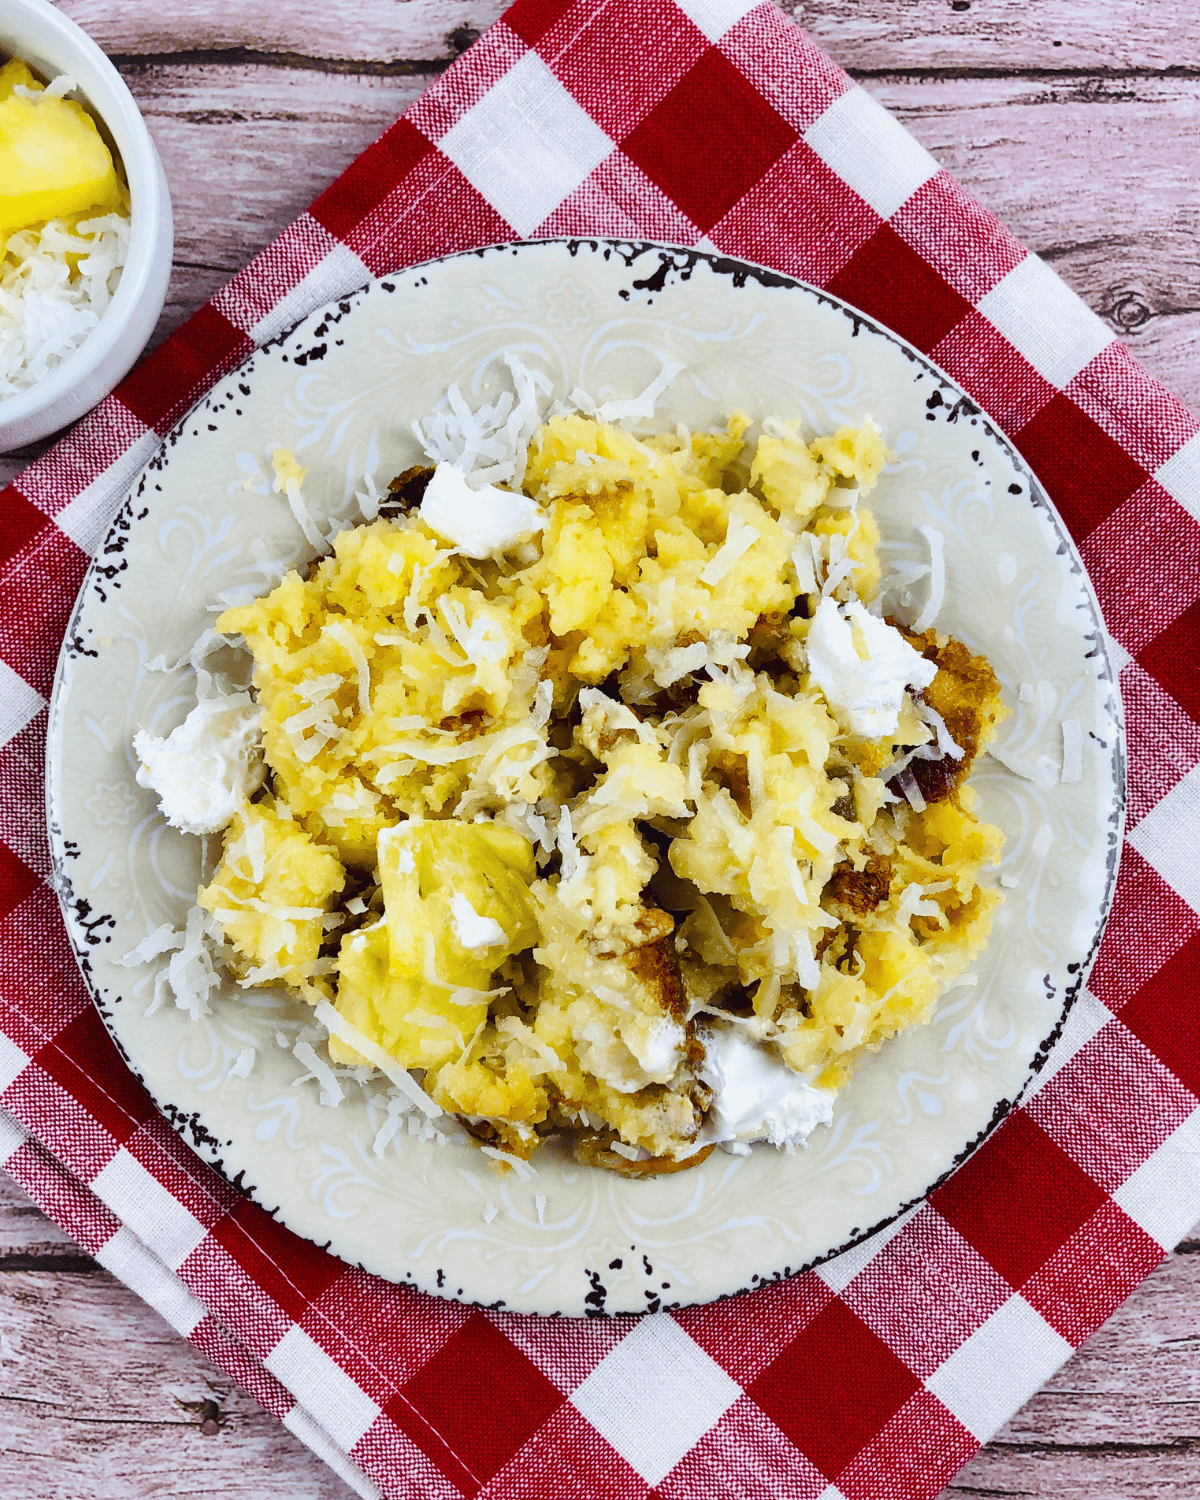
(482, 522)
(756, 1096)
(207, 767)
(473, 931)
(863, 665)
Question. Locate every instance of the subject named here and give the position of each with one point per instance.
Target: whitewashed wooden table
(1078, 122)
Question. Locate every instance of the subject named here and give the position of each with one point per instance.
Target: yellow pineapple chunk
(53, 161)
(456, 905)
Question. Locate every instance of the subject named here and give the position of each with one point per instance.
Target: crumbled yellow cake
(547, 823)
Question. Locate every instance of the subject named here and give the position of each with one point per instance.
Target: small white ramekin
(51, 44)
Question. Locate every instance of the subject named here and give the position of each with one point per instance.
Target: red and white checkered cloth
(709, 122)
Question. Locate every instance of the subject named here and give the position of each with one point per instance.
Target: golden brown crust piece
(656, 964)
(860, 891)
(596, 1150)
(966, 693)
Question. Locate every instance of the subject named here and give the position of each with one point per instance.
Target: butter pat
(863, 665)
(482, 522)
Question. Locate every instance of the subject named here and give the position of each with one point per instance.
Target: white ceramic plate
(341, 391)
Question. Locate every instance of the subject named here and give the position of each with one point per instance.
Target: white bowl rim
(119, 112)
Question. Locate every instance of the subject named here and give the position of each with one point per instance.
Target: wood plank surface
(1079, 124)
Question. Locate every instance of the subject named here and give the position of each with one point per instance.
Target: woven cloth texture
(713, 123)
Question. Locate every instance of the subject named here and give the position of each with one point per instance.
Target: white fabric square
(129, 1260)
(18, 703)
(1163, 1196)
(1166, 837)
(341, 1406)
(526, 145)
(298, 1422)
(1043, 319)
(87, 517)
(655, 1396)
(715, 17)
(1180, 476)
(157, 1218)
(1085, 1018)
(999, 1367)
(871, 151)
(1117, 654)
(838, 1273)
(832, 1493)
(12, 1061)
(12, 1137)
(334, 276)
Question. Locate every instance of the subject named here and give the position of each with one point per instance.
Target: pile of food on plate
(64, 225)
(584, 788)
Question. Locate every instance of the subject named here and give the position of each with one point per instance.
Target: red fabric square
(619, 199)
(1101, 1264)
(84, 1061)
(926, 1292)
(435, 211)
(566, 1459)
(379, 1333)
(20, 522)
(986, 365)
(795, 77)
(709, 141)
(170, 381)
(801, 218)
(1085, 472)
(290, 1270)
(565, 1351)
(1161, 739)
(357, 192)
(1111, 1106)
(914, 1454)
(744, 1457)
(1017, 1199)
(23, 806)
(1136, 411)
(17, 880)
(965, 244)
(474, 1403)
(1165, 1015)
(1144, 563)
(891, 282)
(40, 988)
(204, 1194)
(599, 54)
(62, 1196)
(533, 19)
(1148, 924)
(36, 601)
(833, 1388)
(746, 1333)
(1174, 657)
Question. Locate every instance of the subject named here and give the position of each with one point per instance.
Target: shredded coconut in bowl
(47, 310)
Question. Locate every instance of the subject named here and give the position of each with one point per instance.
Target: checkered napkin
(711, 123)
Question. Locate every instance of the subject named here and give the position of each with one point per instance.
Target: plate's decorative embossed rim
(559, 300)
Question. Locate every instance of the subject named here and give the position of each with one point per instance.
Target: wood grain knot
(1128, 311)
